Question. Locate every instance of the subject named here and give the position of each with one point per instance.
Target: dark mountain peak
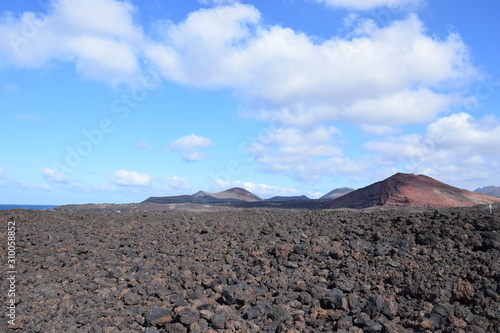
(288, 198)
(338, 192)
(489, 190)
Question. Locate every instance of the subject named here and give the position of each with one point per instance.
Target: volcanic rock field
(256, 270)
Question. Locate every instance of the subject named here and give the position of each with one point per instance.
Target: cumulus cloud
(189, 146)
(377, 75)
(52, 176)
(457, 147)
(191, 142)
(131, 178)
(396, 74)
(371, 4)
(99, 36)
(305, 155)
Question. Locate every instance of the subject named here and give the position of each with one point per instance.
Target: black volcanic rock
(494, 191)
(288, 198)
(410, 191)
(259, 270)
(338, 192)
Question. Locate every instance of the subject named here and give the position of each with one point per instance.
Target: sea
(35, 207)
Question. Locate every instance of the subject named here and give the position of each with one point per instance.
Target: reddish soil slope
(410, 190)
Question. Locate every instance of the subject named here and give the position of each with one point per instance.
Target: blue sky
(115, 101)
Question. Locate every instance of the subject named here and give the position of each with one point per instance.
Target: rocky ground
(255, 271)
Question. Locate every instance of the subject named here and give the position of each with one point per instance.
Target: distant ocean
(35, 207)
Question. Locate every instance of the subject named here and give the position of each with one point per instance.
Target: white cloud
(99, 36)
(370, 4)
(464, 133)
(262, 190)
(403, 107)
(132, 178)
(189, 146)
(397, 74)
(2, 172)
(294, 144)
(191, 142)
(373, 75)
(194, 156)
(215, 32)
(52, 176)
(457, 148)
(217, 2)
(305, 155)
(377, 129)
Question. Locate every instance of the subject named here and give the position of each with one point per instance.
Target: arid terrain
(399, 190)
(257, 270)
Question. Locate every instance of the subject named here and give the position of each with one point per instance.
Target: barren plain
(257, 270)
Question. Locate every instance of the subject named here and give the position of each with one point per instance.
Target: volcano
(236, 194)
(410, 190)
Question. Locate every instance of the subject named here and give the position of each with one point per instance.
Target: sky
(107, 101)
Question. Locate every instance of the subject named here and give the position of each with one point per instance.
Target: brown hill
(235, 194)
(410, 190)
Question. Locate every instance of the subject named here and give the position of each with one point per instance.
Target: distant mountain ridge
(338, 192)
(410, 190)
(289, 198)
(494, 191)
(235, 194)
(398, 190)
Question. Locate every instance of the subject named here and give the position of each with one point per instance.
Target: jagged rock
(386, 305)
(311, 271)
(159, 316)
(258, 310)
(335, 299)
(463, 290)
(187, 316)
(368, 324)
